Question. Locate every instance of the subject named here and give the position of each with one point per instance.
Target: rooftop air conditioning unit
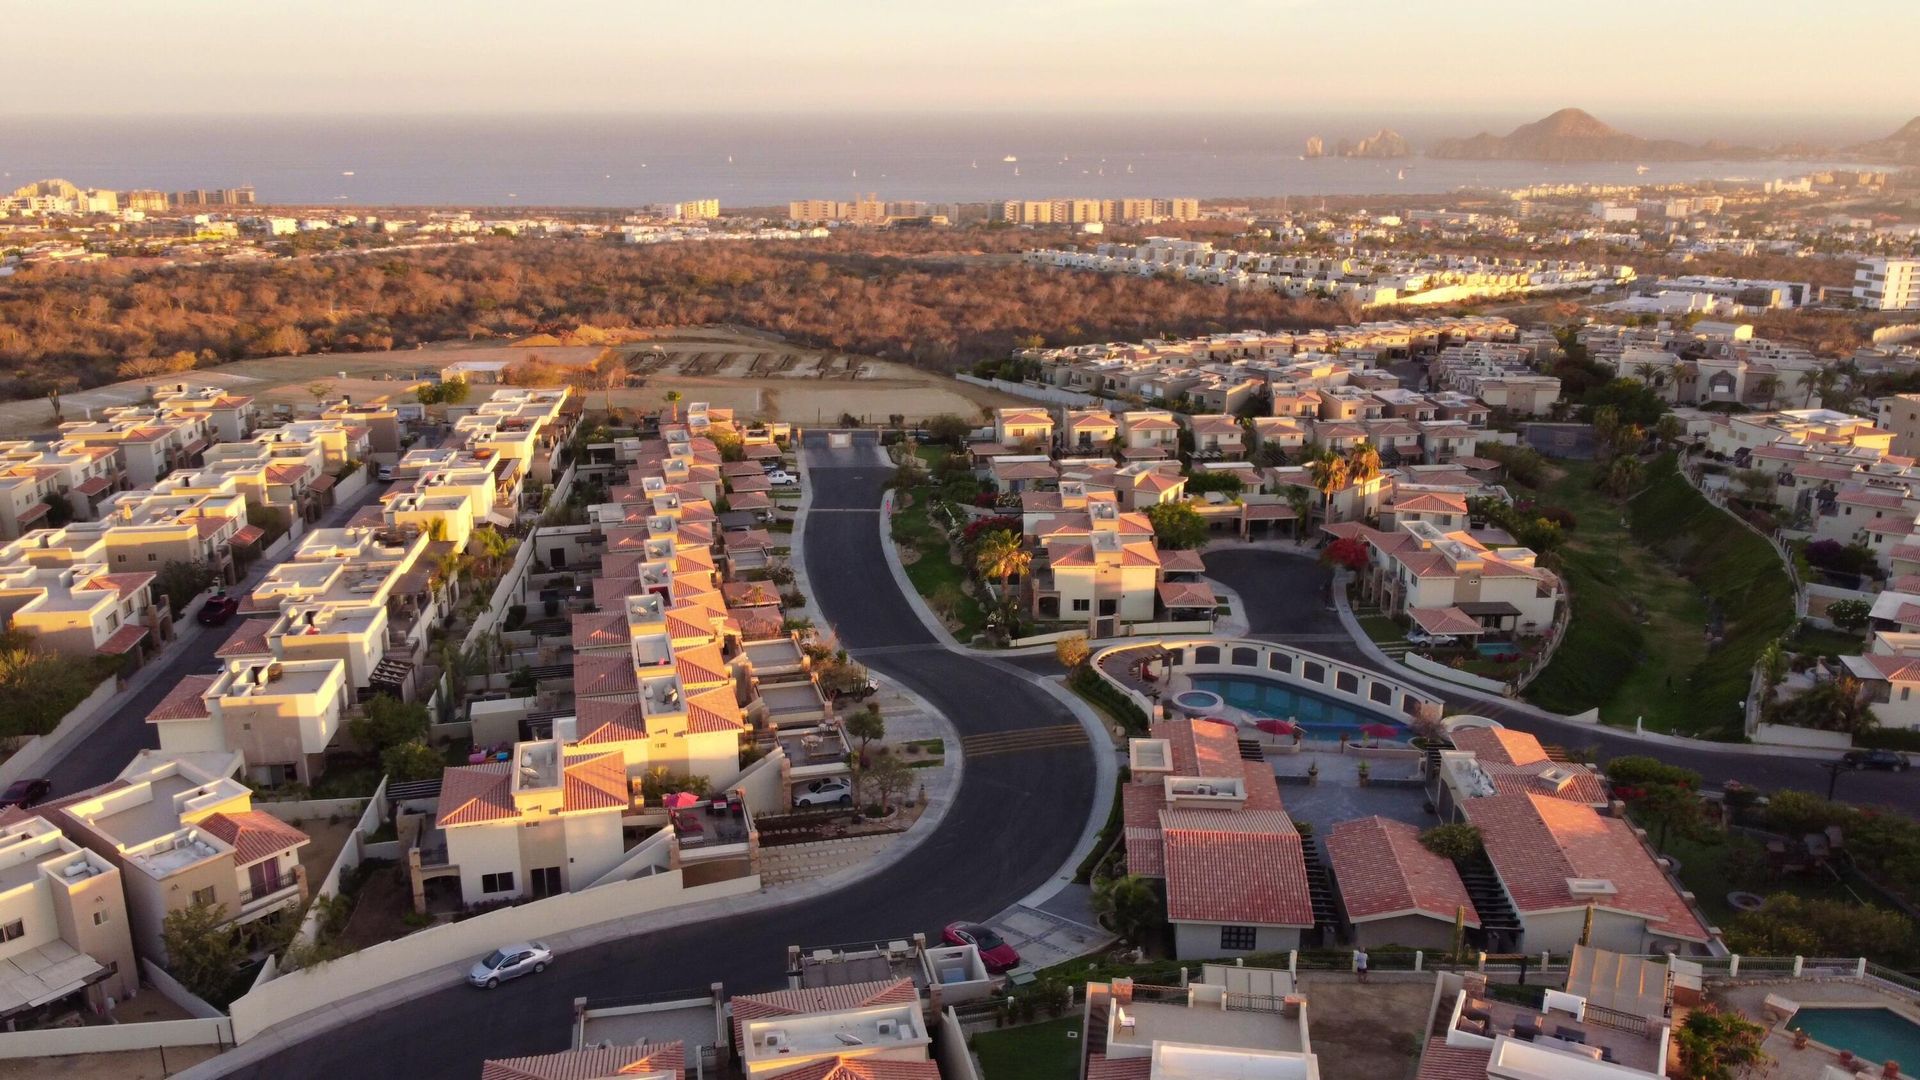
(888, 1028)
(775, 1039)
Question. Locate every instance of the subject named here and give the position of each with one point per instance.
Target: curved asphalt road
(1286, 599)
(1013, 822)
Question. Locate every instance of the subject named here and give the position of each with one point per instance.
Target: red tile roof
(1538, 844)
(1235, 867)
(713, 710)
(1102, 1067)
(184, 701)
(1382, 871)
(474, 793)
(123, 640)
(596, 674)
(600, 629)
(594, 781)
(818, 1000)
(255, 835)
(595, 1063)
(618, 718)
(247, 639)
(1498, 744)
(1186, 594)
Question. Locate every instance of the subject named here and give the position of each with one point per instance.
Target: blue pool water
(1497, 648)
(1321, 717)
(1874, 1035)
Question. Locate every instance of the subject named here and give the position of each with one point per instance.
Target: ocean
(584, 161)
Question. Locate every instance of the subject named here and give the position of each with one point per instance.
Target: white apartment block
(64, 929)
(1888, 284)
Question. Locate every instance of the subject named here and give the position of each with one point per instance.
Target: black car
(25, 793)
(1891, 760)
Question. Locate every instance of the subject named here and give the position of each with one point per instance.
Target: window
(1280, 661)
(1347, 681)
(1905, 691)
(1380, 692)
(151, 557)
(1245, 657)
(493, 883)
(1238, 938)
(546, 881)
(1207, 654)
(1315, 672)
(203, 897)
(99, 918)
(12, 930)
(1083, 605)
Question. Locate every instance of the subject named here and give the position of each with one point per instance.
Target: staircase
(1498, 921)
(1320, 889)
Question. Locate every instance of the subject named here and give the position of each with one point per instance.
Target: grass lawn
(934, 570)
(1383, 630)
(1637, 645)
(1807, 639)
(1047, 1051)
(1707, 868)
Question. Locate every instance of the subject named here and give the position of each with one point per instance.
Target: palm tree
(1000, 556)
(1329, 472)
(1810, 380)
(1363, 462)
(1623, 475)
(1668, 430)
(1645, 370)
(673, 402)
(1129, 906)
(1769, 387)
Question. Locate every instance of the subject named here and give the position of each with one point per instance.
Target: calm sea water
(621, 161)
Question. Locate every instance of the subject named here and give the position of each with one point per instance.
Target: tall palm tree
(1809, 381)
(1646, 370)
(1363, 462)
(1769, 387)
(1000, 556)
(672, 398)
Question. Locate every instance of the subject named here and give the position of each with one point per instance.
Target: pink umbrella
(1379, 731)
(679, 800)
(1276, 727)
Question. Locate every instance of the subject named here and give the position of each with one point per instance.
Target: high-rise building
(144, 199)
(1888, 284)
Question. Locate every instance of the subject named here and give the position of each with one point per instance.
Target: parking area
(1044, 939)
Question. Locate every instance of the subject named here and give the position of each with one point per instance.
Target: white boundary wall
(107, 1038)
(1441, 671)
(458, 944)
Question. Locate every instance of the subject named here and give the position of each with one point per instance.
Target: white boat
(349, 172)
(1640, 170)
(1009, 159)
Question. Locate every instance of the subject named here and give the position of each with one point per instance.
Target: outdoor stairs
(1433, 759)
(551, 671)
(1250, 750)
(1096, 1033)
(1319, 888)
(1490, 899)
(539, 725)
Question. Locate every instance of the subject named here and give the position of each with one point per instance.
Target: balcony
(255, 903)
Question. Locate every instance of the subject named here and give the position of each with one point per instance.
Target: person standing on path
(1360, 963)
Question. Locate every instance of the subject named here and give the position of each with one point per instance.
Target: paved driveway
(1015, 819)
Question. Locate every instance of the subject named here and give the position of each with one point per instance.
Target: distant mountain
(1384, 143)
(1575, 135)
(1900, 148)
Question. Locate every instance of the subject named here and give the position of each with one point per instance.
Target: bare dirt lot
(755, 375)
(1372, 1030)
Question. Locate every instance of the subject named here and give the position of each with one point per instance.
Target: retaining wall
(81, 721)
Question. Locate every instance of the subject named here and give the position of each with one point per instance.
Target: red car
(994, 951)
(217, 609)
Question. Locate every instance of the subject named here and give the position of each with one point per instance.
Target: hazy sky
(1486, 58)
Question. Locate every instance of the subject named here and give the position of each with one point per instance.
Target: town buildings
(1888, 284)
(64, 928)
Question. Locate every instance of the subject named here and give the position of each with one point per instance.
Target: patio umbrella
(1276, 727)
(1379, 731)
(677, 800)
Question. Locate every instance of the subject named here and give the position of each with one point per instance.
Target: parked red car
(994, 951)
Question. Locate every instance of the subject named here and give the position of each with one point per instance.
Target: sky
(1472, 58)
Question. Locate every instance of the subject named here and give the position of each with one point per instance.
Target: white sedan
(510, 962)
(782, 478)
(835, 792)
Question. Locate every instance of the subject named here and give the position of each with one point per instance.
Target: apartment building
(64, 928)
(1888, 284)
(1231, 1021)
(525, 425)
(1739, 434)
(1611, 1022)
(1213, 828)
(1500, 376)
(142, 531)
(151, 443)
(35, 478)
(180, 836)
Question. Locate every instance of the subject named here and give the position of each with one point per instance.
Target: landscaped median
(1670, 610)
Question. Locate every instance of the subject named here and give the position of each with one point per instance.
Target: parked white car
(837, 791)
(510, 962)
(782, 478)
(1421, 637)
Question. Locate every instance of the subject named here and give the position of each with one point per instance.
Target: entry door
(546, 881)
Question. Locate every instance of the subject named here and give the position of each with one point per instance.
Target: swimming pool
(1872, 1034)
(1321, 717)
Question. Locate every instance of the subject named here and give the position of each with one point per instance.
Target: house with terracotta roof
(179, 520)
(1229, 1022)
(1088, 429)
(647, 1061)
(1100, 565)
(1212, 827)
(1442, 510)
(182, 836)
(64, 930)
(151, 442)
(85, 610)
(855, 1031)
(1393, 891)
(36, 476)
(543, 822)
(1561, 862)
(280, 716)
(1023, 427)
(1488, 758)
(1216, 436)
(1440, 578)
(1152, 432)
(230, 417)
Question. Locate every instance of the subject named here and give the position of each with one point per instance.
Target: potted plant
(1365, 771)
(1313, 773)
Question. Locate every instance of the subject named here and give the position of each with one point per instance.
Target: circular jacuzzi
(1193, 704)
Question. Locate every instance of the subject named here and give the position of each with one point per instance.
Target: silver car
(510, 962)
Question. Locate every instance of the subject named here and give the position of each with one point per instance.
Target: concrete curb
(1106, 768)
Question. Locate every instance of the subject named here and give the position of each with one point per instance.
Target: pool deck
(1811, 1062)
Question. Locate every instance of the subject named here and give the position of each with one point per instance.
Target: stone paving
(794, 863)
